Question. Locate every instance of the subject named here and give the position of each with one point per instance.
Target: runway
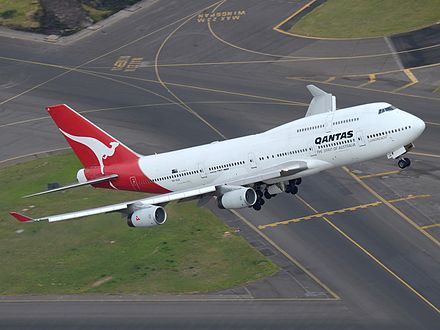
(360, 243)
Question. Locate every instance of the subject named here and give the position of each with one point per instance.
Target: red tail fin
(92, 145)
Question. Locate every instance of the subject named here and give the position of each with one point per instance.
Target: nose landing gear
(403, 163)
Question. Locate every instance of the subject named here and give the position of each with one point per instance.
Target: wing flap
(285, 169)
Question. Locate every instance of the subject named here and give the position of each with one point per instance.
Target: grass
(190, 253)
(22, 14)
(97, 14)
(367, 18)
(19, 13)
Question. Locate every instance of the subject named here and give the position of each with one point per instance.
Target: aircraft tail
(93, 146)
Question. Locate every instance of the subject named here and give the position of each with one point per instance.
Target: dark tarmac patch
(426, 37)
(286, 26)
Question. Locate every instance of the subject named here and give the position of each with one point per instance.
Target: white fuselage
(322, 141)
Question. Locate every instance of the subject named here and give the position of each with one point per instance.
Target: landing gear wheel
(298, 181)
(261, 201)
(267, 195)
(256, 207)
(404, 162)
(259, 193)
(291, 188)
(294, 190)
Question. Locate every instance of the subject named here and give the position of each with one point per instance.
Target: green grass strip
(190, 253)
(367, 18)
(19, 13)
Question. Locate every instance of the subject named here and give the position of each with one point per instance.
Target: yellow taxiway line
(372, 257)
(423, 154)
(277, 27)
(378, 174)
(363, 88)
(411, 77)
(288, 256)
(371, 80)
(430, 226)
(352, 208)
(392, 207)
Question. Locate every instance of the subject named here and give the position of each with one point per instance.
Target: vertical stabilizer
(93, 146)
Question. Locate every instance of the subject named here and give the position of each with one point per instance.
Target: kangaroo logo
(100, 150)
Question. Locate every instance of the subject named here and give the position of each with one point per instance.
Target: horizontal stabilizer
(76, 185)
(21, 217)
(322, 101)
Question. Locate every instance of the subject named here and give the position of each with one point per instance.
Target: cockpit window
(391, 107)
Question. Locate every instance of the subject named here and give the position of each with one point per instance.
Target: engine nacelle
(237, 199)
(147, 217)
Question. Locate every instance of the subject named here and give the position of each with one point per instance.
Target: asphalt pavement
(361, 249)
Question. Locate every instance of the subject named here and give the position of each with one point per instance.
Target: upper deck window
(390, 108)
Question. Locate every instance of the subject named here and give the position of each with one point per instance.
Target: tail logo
(100, 150)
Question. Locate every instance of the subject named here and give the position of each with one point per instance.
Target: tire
(402, 163)
(267, 195)
(407, 161)
(256, 207)
(294, 190)
(298, 181)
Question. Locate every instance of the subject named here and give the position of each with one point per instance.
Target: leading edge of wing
(121, 207)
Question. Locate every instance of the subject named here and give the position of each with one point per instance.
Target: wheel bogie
(267, 195)
(294, 190)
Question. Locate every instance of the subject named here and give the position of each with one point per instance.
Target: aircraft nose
(419, 125)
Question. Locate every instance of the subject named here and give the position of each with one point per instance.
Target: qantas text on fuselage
(238, 173)
(334, 137)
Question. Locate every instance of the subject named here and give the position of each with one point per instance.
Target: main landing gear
(403, 163)
(290, 187)
(260, 201)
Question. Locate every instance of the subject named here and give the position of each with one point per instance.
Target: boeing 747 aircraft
(241, 172)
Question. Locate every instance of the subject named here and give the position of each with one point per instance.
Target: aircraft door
(312, 150)
(202, 171)
(360, 139)
(252, 160)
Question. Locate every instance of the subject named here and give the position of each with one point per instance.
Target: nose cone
(419, 126)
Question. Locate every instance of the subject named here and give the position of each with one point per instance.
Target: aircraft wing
(125, 207)
(285, 169)
(322, 101)
(282, 170)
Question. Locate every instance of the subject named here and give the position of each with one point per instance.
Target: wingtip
(20, 217)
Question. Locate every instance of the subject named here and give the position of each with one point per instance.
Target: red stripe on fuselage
(130, 177)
